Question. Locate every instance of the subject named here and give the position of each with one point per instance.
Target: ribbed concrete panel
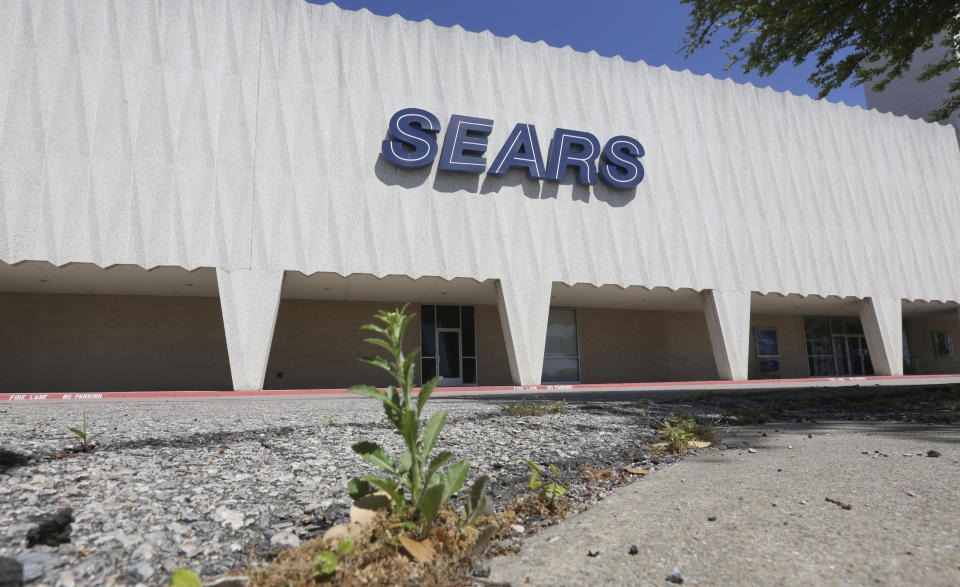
(247, 134)
(127, 131)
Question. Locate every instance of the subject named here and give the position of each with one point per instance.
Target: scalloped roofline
(365, 12)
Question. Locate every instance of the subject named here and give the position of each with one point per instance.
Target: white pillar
(882, 321)
(728, 322)
(524, 307)
(249, 300)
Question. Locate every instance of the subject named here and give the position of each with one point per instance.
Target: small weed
(676, 436)
(86, 438)
(681, 428)
(330, 422)
(550, 489)
(326, 561)
(535, 408)
(641, 403)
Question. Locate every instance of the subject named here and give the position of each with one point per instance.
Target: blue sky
(648, 30)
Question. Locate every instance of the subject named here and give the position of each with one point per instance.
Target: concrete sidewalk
(773, 525)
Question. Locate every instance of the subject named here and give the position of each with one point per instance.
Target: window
(561, 357)
(942, 344)
(766, 339)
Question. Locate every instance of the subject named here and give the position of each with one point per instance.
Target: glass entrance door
(448, 344)
(851, 354)
(449, 356)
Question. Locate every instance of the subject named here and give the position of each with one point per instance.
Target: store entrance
(836, 346)
(448, 344)
(851, 355)
(449, 356)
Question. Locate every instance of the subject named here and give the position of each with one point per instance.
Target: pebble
(481, 571)
(144, 571)
(675, 577)
(712, 519)
(288, 539)
(517, 528)
(751, 450)
(933, 453)
(633, 549)
(593, 552)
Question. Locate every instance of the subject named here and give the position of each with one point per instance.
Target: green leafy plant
(86, 438)
(330, 422)
(676, 436)
(551, 488)
(185, 578)
(476, 501)
(413, 480)
(326, 561)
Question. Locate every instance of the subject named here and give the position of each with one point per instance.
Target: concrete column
(249, 300)
(728, 322)
(524, 307)
(882, 321)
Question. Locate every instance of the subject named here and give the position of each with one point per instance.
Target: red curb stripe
(115, 395)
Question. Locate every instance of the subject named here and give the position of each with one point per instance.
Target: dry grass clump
(380, 559)
(532, 506)
(534, 408)
(595, 475)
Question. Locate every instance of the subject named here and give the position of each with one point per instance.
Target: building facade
(205, 194)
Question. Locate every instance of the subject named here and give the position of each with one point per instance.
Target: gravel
(212, 485)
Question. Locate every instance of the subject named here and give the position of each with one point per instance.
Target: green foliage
(325, 562)
(550, 489)
(681, 428)
(346, 546)
(85, 437)
(413, 480)
(676, 436)
(185, 578)
(862, 41)
(534, 408)
(476, 502)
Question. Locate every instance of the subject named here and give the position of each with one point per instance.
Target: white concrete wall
(246, 135)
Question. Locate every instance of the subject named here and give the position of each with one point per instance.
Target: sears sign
(413, 144)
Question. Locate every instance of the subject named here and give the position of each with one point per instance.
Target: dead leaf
(636, 471)
(367, 508)
(659, 446)
(422, 551)
(698, 444)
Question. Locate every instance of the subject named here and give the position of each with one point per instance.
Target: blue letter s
(622, 169)
(413, 143)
